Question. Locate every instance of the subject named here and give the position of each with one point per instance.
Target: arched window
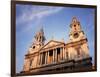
(33, 47)
(40, 39)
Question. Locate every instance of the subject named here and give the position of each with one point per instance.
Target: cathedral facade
(58, 56)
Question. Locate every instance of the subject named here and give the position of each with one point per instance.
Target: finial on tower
(41, 29)
(39, 37)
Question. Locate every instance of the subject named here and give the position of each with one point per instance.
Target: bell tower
(39, 40)
(76, 32)
(32, 61)
(78, 40)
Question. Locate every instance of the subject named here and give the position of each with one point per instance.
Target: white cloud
(36, 13)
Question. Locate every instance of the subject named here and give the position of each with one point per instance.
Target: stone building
(56, 56)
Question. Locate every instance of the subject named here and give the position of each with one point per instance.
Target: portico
(52, 55)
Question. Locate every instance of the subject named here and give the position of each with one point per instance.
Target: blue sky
(55, 22)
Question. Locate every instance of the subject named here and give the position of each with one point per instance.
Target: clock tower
(78, 41)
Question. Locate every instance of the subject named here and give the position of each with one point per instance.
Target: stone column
(41, 59)
(46, 58)
(53, 55)
(63, 53)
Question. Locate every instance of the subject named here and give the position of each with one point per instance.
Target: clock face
(75, 35)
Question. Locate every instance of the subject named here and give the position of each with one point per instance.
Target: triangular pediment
(52, 43)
